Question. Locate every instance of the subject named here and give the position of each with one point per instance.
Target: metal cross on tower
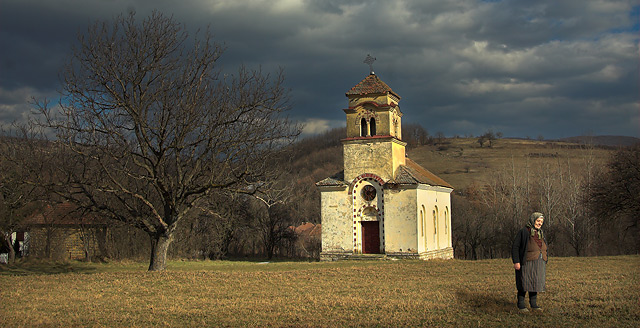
(369, 61)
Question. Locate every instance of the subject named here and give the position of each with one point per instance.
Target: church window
(446, 220)
(368, 193)
(435, 221)
(372, 126)
(423, 222)
(363, 128)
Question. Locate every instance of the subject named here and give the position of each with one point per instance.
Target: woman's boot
(521, 306)
(533, 301)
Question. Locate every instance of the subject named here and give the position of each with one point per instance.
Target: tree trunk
(159, 247)
(102, 243)
(9, 245)
(47, 244)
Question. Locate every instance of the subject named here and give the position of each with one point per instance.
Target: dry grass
(462, 161)
(589, 292)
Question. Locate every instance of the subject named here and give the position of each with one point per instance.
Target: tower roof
(371, 85)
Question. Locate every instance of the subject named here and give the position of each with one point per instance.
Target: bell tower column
(374, 130)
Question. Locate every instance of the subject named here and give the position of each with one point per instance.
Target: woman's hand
(516, 266)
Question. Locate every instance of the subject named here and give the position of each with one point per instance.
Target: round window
(368, 192)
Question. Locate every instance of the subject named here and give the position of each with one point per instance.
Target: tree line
(589, 209)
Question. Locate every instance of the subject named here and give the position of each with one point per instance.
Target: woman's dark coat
(518, 251)
(519, 247)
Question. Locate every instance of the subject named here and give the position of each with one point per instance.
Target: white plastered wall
(400, 217)
(434, 205)
(336, 220)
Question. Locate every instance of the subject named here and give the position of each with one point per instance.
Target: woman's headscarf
(532, 227)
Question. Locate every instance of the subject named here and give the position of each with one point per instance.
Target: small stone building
(382, 203)
(63, 232)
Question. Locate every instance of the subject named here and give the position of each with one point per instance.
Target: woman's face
(538, 223)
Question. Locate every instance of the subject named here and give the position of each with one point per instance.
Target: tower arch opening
(363, 127)
(372, 126)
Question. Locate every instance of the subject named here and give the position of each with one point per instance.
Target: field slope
(588, 292)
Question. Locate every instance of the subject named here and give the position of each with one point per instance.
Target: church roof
(412, 173)
(335, 180)
(370, 84)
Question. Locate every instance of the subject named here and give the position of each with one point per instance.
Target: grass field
(581, 292)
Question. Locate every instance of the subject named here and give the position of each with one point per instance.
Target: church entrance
(370, 237)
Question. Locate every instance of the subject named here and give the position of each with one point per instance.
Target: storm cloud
(462, 67)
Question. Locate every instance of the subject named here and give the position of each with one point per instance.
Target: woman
(529, 255)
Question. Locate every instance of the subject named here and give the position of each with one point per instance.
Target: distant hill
(459, 161)
(603, 140)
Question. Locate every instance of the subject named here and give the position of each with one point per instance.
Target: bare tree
(415, 134)
(487, 136)
(577, 222)
(468, 228)
(217, 226)
(12, 196)
(550, 186)
(21, 161)
(615, 196)
(481, 140)
(153, 126)
(273, 216)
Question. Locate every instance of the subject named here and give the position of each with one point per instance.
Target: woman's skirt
(533, 275)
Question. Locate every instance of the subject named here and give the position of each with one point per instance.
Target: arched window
(421, 223)
(423, 226)
(372, 126)
(435, 221)
(363, 127)
(446, 220)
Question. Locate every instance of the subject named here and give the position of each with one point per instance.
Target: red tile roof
(334, 180)
(308, 229)
(409, 174)
(412, 173)
(371, 85)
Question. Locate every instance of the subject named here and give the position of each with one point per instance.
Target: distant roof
(371, 85)
(308, 229)
(62, 214)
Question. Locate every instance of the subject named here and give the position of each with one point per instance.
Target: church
(382, 205)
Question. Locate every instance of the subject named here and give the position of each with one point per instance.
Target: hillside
(462, 161)
(459, 161)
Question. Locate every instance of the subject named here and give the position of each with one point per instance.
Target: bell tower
(374, 134)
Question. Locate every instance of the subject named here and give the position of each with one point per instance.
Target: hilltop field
(462, 162)
(581, 292)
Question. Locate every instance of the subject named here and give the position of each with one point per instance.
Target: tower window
(373, 126)
(363, 128)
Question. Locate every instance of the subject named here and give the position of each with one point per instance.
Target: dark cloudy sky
(555, 68)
